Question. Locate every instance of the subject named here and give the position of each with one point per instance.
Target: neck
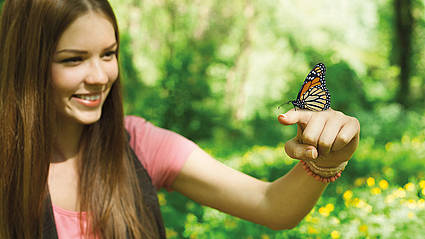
(67, 140)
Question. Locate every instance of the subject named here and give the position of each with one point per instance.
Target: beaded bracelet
(324, 175)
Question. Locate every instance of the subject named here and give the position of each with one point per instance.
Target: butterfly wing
(313, 94)
(316, 98)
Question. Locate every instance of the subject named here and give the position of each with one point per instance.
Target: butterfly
(313, 94)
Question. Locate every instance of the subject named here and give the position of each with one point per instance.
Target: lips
(88, 97)
(88, 100)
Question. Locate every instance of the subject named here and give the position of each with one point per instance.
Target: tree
(403, 46)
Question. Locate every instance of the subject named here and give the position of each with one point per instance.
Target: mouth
(88, 97)
(88, 100)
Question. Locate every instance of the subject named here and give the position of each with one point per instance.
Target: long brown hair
(108, 186)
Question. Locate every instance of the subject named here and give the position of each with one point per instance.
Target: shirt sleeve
(162, 152)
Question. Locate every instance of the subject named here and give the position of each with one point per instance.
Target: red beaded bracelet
(319, 177)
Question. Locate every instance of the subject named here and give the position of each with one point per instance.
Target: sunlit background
(216, 71)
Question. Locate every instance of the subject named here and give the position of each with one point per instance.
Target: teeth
(91, 98)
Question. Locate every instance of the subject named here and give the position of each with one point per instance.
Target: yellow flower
(416, 141)
(347, 195)
(410, 215)
(330, 207)
(356, 202)
(375, 190)
(423, 191)
(370, 181)
(171, 233)
(383, 184)
(315, 220)
(358, 182)
(312, 230)
(422, 184)
(308, 218)
(409, 187)
(363, 228)
(326, 209)
(388, 146)
(335, 234)
(161, 199)
(264, 236)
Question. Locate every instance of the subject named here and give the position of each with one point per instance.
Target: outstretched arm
(329, 137)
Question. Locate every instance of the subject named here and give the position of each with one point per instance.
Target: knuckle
(344, 139)
(339, 114)
(308, 139)
(342, 117)
(356, 122)
(324, 144)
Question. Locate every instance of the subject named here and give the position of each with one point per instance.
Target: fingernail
(282, 116)
(311, 153)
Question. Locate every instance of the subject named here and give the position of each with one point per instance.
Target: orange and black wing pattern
(313, 94)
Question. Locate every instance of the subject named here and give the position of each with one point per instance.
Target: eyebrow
(82, 51)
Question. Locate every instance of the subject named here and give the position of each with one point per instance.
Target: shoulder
(138, 127)
(145, 134)
(131, 121)
(142, 130)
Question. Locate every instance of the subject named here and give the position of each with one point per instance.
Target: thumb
(297, 150)
(295, 116)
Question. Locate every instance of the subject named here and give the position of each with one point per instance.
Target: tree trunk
(403, 47)
(237, 77)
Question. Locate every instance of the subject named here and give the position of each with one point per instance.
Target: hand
(328, 137)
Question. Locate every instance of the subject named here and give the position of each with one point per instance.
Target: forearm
(290, 198)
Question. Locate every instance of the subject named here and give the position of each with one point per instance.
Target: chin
(87, 118)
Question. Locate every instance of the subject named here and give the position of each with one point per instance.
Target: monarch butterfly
(313, 94)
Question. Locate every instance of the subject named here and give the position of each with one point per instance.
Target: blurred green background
(216, 71)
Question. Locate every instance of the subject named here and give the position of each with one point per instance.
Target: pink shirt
(162, 153)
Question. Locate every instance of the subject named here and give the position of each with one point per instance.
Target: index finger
(291, 117)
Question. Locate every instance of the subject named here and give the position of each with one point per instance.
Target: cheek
(112, 71)
(64, 81)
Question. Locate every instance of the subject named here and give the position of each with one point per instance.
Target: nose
(97, 74)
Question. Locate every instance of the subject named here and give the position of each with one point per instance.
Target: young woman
(72, 165)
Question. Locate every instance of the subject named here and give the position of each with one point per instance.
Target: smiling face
(84, 68)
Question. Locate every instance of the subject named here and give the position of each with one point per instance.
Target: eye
(72, 60)
(109, 55)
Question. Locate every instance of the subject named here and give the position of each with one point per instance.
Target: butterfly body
(313, 94)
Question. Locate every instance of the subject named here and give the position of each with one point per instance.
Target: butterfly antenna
(283, 104)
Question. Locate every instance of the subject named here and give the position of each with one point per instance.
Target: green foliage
(380, 195)
(216, 72)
